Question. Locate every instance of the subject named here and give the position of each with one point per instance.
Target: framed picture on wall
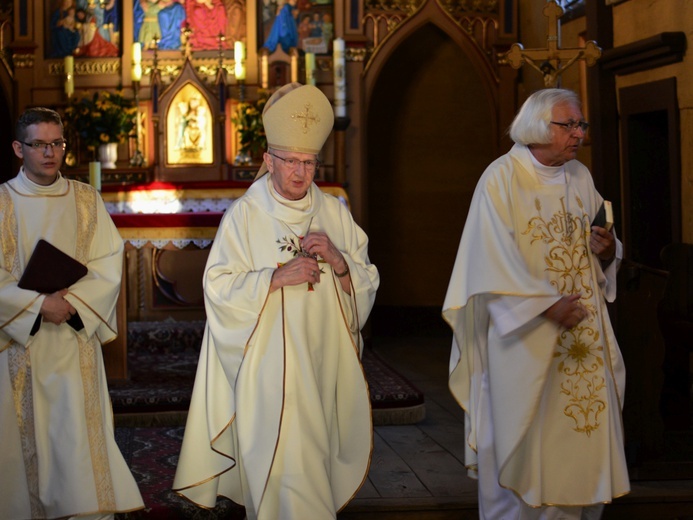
(303, 24)
(83, 28)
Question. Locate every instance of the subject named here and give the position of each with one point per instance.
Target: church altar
(167, 228)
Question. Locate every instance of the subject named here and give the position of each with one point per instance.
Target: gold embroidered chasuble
(556, 395)
(59, 454)
(280, 417)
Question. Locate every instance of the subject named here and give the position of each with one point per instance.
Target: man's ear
(17, 147)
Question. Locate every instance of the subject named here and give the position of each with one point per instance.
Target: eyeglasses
(573, 125)
(310, 165)
(59, 145)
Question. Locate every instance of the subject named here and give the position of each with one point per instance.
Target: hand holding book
(50, 270)
(605, 216)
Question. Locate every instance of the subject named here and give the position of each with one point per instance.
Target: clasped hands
(304, 268)
(56, 309)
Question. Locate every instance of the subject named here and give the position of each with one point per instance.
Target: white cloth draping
(59, 457)
(550, 399)
(280, 416)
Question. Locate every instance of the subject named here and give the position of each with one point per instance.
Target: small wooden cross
(551, 61)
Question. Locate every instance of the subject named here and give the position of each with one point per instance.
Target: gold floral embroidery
(8, 233)
(580, 352)
(580, 356)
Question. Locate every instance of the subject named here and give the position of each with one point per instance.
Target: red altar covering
(179, 214)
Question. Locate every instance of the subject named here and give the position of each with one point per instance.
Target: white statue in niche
(189, 128)
(193, 117)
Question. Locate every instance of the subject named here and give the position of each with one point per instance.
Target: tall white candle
(95, 174)
(339, 69)
(239, 58)
(69, 65)
(264, 71)
(310, 68)
(294, 67)
(136, 61)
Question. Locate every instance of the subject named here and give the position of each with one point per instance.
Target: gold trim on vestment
(19, 363)
(105, 322)
(357, 351)
(281, 416)
(579, 354)
(9, 232)
(20, 312)
(85, 205)
(93, 414)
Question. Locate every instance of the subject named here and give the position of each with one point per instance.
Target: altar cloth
(188, 197)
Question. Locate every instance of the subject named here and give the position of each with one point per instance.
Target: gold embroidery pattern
(306, 118)
(580, 352)
(94, 417)
(85, 199)
(8, 233)
(19, 361)
(20, 376)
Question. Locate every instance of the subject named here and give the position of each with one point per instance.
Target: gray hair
(532, 122)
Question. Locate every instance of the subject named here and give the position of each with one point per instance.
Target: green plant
(248, 121)
(104, 117)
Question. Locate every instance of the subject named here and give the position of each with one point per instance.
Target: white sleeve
(509, 313)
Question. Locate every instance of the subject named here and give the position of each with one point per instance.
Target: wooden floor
(417, 471)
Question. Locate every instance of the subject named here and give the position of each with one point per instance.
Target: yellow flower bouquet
(104, 117)
(248, 121)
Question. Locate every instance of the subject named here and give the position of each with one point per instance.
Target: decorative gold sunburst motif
(579, 355)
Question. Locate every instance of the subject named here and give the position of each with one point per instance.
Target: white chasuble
(280, 417)
(59, 455)
(554, 396)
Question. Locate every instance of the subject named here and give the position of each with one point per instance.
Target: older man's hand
(602, 243)
(567, 312)
(296, 271)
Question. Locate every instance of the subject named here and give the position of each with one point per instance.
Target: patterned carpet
(151, 406)
(162, 358)
(152, 455)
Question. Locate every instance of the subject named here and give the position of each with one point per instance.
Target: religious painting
(189, 130)
(83, 28)
(303, 24)
(167, 23)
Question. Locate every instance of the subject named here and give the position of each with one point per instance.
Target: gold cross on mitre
(551, 61)
(306, 117)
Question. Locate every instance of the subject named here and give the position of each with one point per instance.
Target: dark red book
(50, 270)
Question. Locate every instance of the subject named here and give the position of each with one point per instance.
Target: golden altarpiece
(183, 165)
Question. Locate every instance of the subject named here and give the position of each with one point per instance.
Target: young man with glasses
(535, 363)
(59, 457)
(280, 415)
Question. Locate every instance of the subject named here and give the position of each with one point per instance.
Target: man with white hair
(280, 417)
(534, 362)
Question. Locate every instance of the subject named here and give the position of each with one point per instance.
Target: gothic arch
(431, 127)
(431, 12)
